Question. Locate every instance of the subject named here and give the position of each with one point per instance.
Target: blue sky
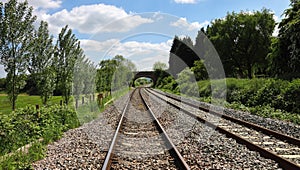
(140, 30)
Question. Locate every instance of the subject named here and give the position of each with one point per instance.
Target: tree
(84, 77)
(182, 55)
(67, 50)
(159, 66)
(105, 74)
(40, 62)
(123, 74)
(243, 41)
(16, 32)
(285, 56)
(199, 70)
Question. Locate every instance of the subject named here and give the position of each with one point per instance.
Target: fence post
(37, 107)
(100, 99)
(76, 103)
(60, 102)
(82, 100)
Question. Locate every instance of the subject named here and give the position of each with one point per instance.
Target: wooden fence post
(76, 103)
(37, 107)
(100, 99)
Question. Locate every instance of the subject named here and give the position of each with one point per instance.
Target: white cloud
(143, 54)
(186, 1)
(131, 48)
(93, 45)
(183, 23)
(44, 4)
(91, 19)
(276, 30)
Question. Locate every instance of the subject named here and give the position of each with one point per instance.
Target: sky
(140, 30)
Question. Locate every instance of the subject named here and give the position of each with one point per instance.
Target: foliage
(24, 100)
(16, 33)
(40, 62)
(242, 41)
(182, 55)
(114, 74)
(84, 78)
(159, 66)
(67, 50)
(199, 70)
(26, 125)
(274, 98)
(141, 81)
(286, 50)
(2, 84)
(123, 74)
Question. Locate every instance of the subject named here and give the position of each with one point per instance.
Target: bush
(25, 125)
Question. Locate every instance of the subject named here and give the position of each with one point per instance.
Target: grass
(91, 111)
(24, 100)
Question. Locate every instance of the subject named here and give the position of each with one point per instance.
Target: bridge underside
(148, 74)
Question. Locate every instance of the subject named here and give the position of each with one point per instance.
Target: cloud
(276, 30)
(143, 54)
(185, 1)
(182, 23)
(93, 45)
(91, 19)
(45, 4)
(42, 4)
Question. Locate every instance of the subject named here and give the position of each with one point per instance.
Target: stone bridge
(148, 74)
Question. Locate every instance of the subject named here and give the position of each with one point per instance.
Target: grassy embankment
(272, 98)
(26, 126)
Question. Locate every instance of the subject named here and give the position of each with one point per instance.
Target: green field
(24, 100)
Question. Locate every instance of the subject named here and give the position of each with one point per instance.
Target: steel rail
(173, 150)
(284, 163)
(181, 164)
(107, 163)
(264, 130)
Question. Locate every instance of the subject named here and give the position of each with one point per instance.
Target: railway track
(140, 142)
(285, 150)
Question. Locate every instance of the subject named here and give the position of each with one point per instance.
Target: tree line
(245, 45)
(29, 54)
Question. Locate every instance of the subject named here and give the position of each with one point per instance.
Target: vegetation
(27, 125)
(247, 49)
(67, 50)
(23, 101)
(40, 62)
(114, 74)
(285, 55)
(16, 34)
(242, 41)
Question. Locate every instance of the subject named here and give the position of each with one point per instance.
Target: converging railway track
(283, 149)
(140, 142)
(149, 129)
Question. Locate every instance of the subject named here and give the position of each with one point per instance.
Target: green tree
(78, 77)
(67, 50)
(243, 41)
(40, 62)
(105, 74)
(285, 56)
(123, 74)
(182, 55)
(16, 32)
(199, 70)
(159, 66)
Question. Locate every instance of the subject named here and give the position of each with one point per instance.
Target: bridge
(148, 74)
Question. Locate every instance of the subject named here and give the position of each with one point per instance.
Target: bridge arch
(148, 74)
